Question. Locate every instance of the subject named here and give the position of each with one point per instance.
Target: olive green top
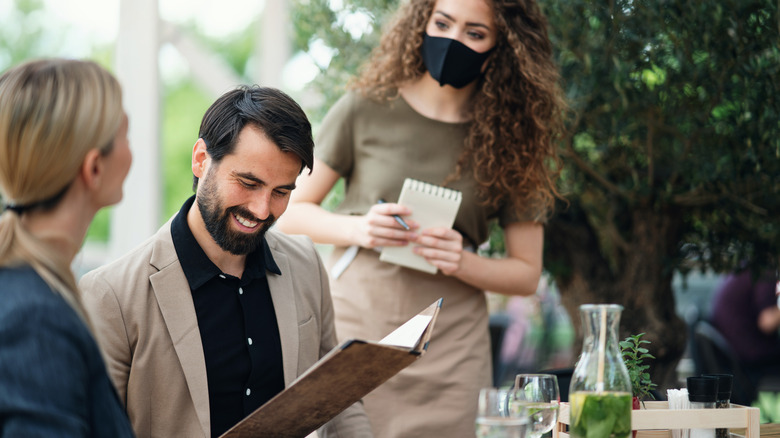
(375, 146)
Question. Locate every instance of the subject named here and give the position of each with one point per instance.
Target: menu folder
(340, 378)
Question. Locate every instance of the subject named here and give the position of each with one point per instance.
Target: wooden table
(767, 430)
(656, 420)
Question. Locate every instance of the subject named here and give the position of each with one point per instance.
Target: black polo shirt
(237, 325)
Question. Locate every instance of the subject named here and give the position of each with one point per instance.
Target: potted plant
(634, 355)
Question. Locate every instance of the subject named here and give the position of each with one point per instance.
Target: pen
(395, 216)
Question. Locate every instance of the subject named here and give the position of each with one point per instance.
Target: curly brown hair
(518, 106)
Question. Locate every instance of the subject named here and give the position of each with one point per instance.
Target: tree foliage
(183, 109)
(24, 34)
(348, 30)
(677, 113)
(672, 155)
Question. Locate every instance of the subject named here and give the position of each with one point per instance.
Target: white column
(138, 215)
(273, 46)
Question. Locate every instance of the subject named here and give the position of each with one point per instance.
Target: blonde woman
(462, 93)
(64, 154)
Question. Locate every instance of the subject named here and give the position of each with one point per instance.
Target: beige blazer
(144, 318)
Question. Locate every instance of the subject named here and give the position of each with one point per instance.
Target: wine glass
(493, 418)
(538, 396)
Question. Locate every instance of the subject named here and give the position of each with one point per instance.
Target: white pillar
(138, 215)
(273, 46)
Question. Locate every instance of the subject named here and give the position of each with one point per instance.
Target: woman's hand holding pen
(383, 225)
(442, 247)
(379, 227)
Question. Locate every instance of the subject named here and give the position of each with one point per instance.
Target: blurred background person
(746, 313)
(463, 94)
(538, 337)
(64, 154)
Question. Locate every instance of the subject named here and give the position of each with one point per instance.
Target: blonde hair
(52, 112)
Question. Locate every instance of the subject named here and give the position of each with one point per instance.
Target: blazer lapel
(283, 296)
(175, 301)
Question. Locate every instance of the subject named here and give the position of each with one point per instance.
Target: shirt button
(240, 291)
(222, 276)
(249, 340)
(248, 391)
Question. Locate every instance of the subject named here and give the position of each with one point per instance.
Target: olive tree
(673, 154)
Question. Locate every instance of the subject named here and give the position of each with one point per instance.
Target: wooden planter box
(655, 420)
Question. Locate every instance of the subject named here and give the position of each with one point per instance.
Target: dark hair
(275, 113)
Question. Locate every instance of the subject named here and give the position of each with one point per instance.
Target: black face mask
(452, 62)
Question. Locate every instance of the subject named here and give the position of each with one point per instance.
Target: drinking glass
(538, 396)
(493, 418)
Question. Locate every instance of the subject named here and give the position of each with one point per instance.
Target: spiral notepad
(432, 206)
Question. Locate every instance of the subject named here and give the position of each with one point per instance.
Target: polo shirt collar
(198, 268)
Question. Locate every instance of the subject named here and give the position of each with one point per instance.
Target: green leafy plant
(634, 356)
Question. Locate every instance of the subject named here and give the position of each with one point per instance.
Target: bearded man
(216, 314)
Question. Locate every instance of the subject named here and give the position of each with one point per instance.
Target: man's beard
(218, 222)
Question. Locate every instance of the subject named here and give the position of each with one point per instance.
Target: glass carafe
(600, 390)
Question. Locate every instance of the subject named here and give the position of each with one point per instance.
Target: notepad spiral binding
(438, 191)
(432, 206)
